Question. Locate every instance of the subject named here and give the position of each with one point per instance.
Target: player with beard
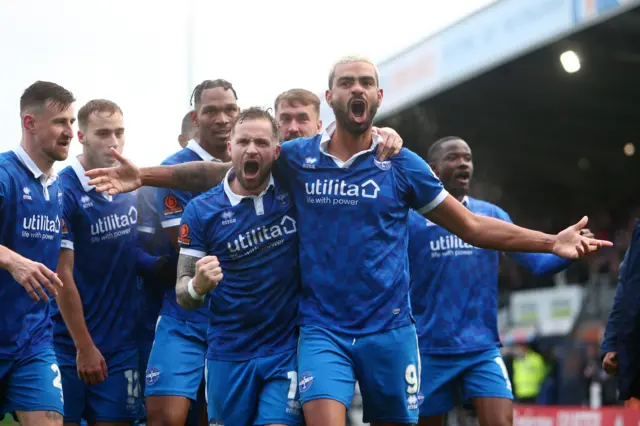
(336, 179)
(175, 379)
(247, 227)
(30, 233)
(353, 213)
(454, 297)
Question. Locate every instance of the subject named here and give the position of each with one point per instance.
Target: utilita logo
(262, 237)
(450, 245)
(41, 226)
(42, 223)
(340, 192)
(114, 222)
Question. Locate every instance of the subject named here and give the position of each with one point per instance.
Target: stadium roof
(543, 135)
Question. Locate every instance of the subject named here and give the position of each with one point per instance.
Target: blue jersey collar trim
(29, 164)
(79, 170)
(234, 198)
(195, 147)
(326, 137)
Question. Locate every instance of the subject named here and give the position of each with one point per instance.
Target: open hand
(391, 143)
(571, 244)
(124, 177)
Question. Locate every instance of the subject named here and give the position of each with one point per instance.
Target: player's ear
(194, 117)
(278, 149)
(328, 96)
(380, 96)
(80, 136)
(229, 147)
(319, 126)
(29, 122)
(434, 170)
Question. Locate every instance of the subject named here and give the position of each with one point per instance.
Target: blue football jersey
(454, 285)
(353, 232)
(101, 231)
(30, 225)
(153, 240)
(170, 205)
(254, 308)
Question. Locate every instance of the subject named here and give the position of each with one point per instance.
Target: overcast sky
(136, 52)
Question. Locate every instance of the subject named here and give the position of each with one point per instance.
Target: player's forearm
(187, 272)
(70, 306)
(197, 176)
(7, 257)
(489, 233)
(184, 297)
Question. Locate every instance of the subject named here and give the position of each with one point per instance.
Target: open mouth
(221, 132)
(463, 177)
(251, 169)
(358, 109)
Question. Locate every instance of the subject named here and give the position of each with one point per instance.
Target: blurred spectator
(529, 371)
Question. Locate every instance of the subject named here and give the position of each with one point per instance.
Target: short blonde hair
(301, 96)
(349, 59)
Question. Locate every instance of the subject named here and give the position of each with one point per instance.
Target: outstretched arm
(489, 233)
(196, 176)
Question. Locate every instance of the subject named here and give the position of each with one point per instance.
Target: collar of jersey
(76, 165)
(234, 198)
(324, 144)
(195, 147)
(37, 173)
(465, 201)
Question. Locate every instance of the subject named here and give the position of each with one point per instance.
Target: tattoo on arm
(186, 271)
(199, 176)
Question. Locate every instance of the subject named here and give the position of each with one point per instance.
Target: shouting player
(247, 227)
(95, 320)
(454, 297)
(30, 231)
(353, 210)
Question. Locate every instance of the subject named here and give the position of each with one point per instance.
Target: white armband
(192, 291)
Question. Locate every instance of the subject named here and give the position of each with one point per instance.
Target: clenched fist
(208, 275)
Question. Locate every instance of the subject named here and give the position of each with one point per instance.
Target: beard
(342, 113)
(263, 176)
(57, 153)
